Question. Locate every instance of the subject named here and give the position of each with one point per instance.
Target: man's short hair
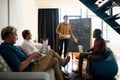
(6, 31)
(25, 33)
(98, 31)
(65, 16)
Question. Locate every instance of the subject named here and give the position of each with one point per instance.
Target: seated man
(98, 52)
(27, 45)
(19, 62)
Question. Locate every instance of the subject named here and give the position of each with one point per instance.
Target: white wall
(57, 3)
(3, 15)
(23, 15)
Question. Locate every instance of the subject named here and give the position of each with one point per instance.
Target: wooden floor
(73, 65)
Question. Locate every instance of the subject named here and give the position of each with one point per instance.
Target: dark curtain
(47, 23)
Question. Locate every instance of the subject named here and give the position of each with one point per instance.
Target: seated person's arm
(25, 63)
(89, 51)
(17, 60)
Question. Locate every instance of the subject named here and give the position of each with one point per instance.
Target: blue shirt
(13, 56)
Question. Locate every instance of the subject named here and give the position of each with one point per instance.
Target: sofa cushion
(51, 72)
(3, 65)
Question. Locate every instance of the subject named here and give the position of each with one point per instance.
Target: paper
(80, 48)
(45, 46)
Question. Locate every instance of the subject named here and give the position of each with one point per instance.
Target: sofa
(7, 74)
(107, 68)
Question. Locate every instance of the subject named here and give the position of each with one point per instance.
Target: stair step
(114, 17)
(104, 7)
(117, 2)
(116, 27)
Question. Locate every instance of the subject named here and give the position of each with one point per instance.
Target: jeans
(65, 42)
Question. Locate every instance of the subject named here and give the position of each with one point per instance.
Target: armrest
(24, 76)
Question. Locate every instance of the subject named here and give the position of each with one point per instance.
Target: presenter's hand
(76, 40)
(60, 33)
(87, 52)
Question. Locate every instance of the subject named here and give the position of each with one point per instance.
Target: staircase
(101, 10)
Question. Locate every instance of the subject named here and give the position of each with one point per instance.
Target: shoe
(66, 77)
(75, 71)
(89, 76)
(77, 77)
(66, 61)
(65, 73)
(78, 72)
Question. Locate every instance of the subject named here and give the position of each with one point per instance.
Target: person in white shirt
(29, 48)
(46, 61)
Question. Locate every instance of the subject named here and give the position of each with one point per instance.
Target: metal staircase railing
(100, 11)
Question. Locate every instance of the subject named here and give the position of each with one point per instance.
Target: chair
(107, 68)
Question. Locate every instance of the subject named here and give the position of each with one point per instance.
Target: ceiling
(57, 3)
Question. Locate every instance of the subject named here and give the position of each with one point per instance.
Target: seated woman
(18, 61)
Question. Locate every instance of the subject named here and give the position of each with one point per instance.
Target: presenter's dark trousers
(91, 59)
(61, 43)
